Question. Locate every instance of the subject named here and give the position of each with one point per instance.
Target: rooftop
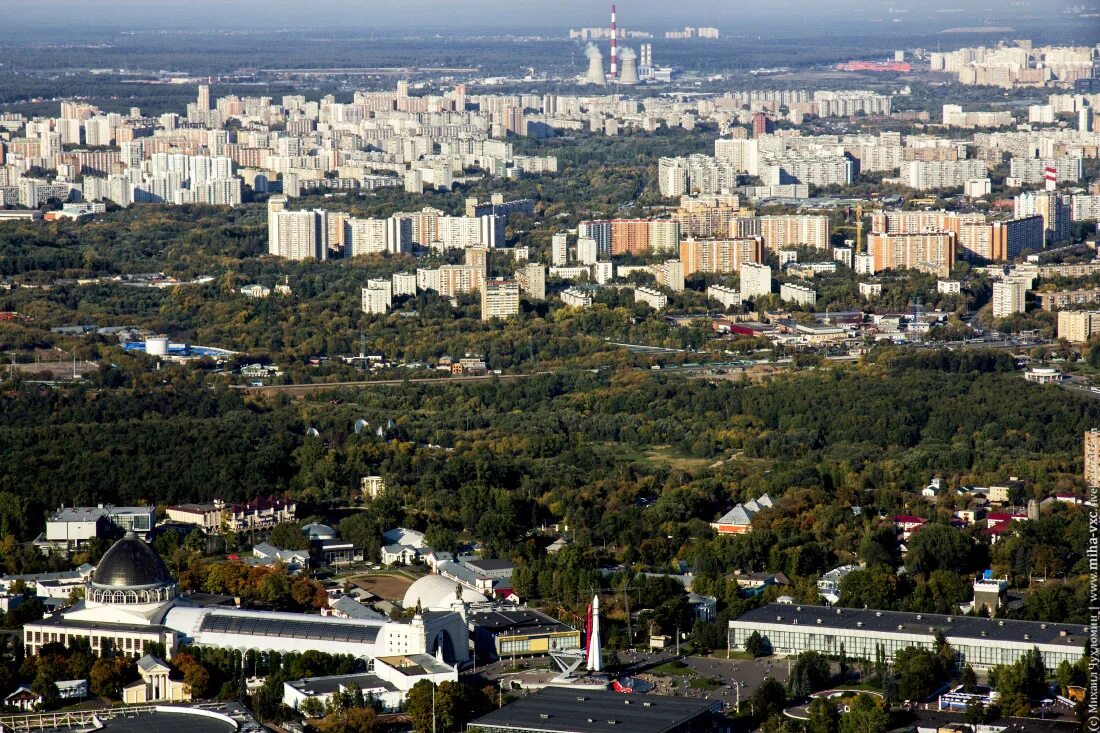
(328, 685)
(968, 627)
(281, 625)
(560, 710)
(522, 620)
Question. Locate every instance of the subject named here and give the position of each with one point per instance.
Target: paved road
(322, 386)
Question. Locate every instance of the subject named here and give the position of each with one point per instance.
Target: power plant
(595, 65)
(629, 73)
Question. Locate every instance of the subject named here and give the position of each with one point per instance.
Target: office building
(794, 293)
(1008, 297)
(756, 280)
(982, 643)
(1092, 458)
(499, 299)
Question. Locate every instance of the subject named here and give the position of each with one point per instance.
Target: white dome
(436, 593)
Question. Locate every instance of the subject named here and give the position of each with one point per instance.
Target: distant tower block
(596, 73)
(629, 74)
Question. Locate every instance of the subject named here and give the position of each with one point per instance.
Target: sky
(471, 15)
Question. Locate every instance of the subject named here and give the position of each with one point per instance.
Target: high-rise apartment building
(932, 252)
(204, 98)
(1078, 326)
(1056, 210)
(1008, 297)
(377, 296)
(559, 249)
(499, 299)
(756, 280)
(532, 280)
(719, 255)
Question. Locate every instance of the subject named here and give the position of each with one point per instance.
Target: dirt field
(389, 587)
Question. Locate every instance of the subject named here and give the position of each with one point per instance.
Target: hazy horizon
(58, 17)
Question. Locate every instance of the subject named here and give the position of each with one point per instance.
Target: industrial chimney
(628, 74)
(595, 66)
(614, 45)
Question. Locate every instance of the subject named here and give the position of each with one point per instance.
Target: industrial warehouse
(980, 642)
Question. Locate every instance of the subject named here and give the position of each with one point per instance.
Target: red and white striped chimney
(614, 46)
(1050, 175)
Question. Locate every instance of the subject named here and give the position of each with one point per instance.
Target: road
(323, 386)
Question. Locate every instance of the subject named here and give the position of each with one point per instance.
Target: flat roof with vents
(564, 710)
(314, 628)
(956, 626)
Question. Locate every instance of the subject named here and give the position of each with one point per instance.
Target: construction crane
(858, 226)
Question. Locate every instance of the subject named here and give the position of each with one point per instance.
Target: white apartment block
(670, 274)
(756, 280)
(1032, 171)
(795, 293)
(404, 283)
(727, 296)
(1008, 297)
(374, 236)
(656, 299)
(587, 251)
(870, 290)
(559, 249)
(926, 175)
(1078, 326)
(948, 287)
(577, 297)
(377, 296)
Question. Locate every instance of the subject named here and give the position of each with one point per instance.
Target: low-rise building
(980, 642)
(576, 297)
(727, 296)
(654, 298)
(800, 294)
(502, 633)
(739, 519)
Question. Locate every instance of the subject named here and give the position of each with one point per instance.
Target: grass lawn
(704, 683)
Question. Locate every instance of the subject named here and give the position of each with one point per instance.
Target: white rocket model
(594, 662)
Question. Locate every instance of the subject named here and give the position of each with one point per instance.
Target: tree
(823, 716)
(809, 673)
(109, 675)
(312, 707)
(866, 714)
(938, 547)
(288, 536)
(969, 679)
(769, 699)
(920, 673)
(754, 644)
